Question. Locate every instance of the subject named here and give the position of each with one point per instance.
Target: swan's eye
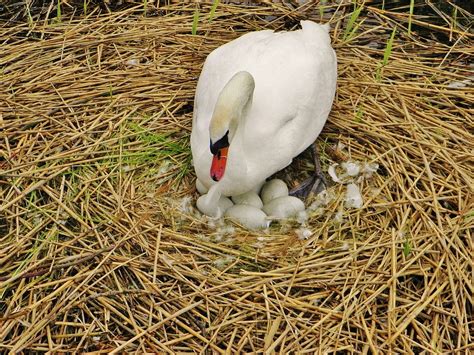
(221, 143)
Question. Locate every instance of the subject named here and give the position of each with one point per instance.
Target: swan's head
(232, 104)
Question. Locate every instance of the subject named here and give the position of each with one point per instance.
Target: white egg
(249, 216)
(224, 203)
(283, 207)
(204, 207)
(249, 198)
(273, 189)
(200, 187)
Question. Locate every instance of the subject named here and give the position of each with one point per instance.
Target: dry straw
(101, 249)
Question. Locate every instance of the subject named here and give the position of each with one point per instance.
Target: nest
(101, 248)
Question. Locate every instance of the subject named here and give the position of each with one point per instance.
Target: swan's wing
(295, 75)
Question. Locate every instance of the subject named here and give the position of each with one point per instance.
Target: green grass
(195, 21)
(148, 155)
(156, 147)
(172, 146)
(407, 248)
(388, 48)
(321, 8)
(215, 3)
(28, 14)
(213, 9)
(58, 11)
(386, 55)
(454, 18)
(359, 114)
(352, 27)
(185, 167)
(324, 158)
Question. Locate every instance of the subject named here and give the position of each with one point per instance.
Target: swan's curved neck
(232, 105)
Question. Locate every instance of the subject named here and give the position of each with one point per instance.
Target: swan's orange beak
(219, 162)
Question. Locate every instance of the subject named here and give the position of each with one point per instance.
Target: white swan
(260, 101)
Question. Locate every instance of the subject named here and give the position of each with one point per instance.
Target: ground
(102, 249)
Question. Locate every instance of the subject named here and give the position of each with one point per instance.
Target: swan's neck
(232, 106)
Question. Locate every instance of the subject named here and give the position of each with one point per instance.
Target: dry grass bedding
(101, 248)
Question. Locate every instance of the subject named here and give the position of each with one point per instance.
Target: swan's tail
(315, 31)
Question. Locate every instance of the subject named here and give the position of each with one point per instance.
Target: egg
(200, 187)
(223, 205)
(273, 189)
(283, 207)
(249, 198)
(248, 216)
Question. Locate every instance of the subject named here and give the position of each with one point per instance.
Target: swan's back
(288, 67)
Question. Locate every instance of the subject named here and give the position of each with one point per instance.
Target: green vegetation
(213, 9)
(58, 11)
(386, 55)
(406, 248)
(156, 146)
(195, 21)
(351, 26)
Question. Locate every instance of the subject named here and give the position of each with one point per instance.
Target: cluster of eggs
(253, 210)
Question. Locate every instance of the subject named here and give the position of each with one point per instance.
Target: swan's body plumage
(295, 82)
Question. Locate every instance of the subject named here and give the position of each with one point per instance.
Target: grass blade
(386, 55)
(321, 8)
(350, 29)
(30, 18)
(195, 21)
(213, 9)
(388, 49)
(406, 248)
(58, 11)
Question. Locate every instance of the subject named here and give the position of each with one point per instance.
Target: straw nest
(101, 248)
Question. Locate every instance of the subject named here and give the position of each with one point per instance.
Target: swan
(260, 101)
